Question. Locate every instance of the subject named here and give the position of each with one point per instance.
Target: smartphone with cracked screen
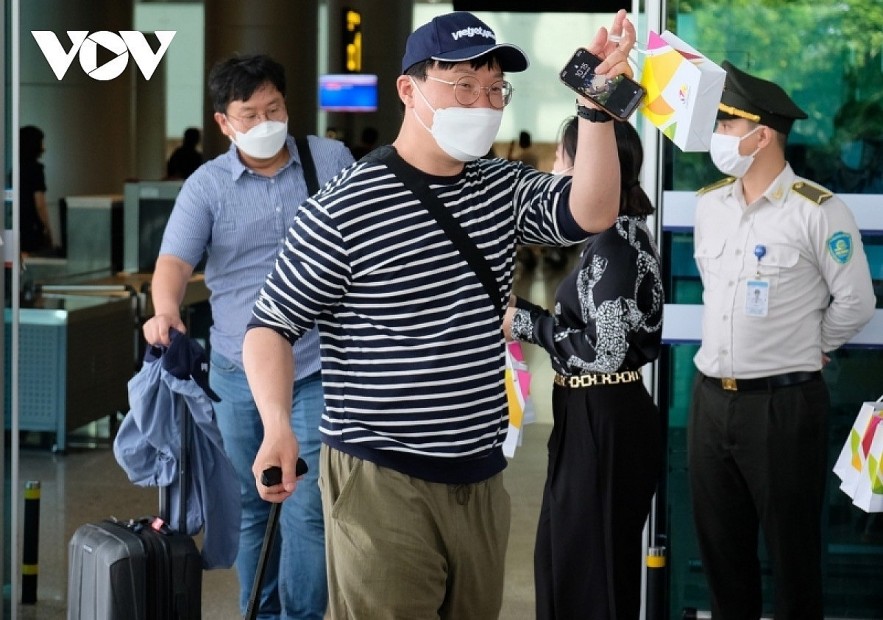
(619, 96)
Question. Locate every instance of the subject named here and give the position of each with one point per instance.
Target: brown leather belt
(764, 383)
(597, 378)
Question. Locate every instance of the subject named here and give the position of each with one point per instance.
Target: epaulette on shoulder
(717, 184)
(811, 192)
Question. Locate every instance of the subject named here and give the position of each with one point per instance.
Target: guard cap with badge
(457, 37)
(757, 100)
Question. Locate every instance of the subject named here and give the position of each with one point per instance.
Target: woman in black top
(34, 222)
(605, 450)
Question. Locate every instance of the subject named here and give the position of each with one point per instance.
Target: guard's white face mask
(262, 141)
(466, 134)
(724, 151)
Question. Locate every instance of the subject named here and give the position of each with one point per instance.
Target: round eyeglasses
(468, 89)
(252, 119)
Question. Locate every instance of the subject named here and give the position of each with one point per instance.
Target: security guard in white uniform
(785, 281)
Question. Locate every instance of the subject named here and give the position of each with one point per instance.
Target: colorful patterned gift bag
(851, 465)
(683, 91)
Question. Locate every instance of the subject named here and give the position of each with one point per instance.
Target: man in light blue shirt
(235, 211)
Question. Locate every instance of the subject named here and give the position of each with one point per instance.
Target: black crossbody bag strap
(306, 160)
(414, 182)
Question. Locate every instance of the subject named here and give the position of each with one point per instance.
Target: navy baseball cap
(456, 37)
(186, 359)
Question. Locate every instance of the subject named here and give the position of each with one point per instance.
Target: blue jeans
(295, 584)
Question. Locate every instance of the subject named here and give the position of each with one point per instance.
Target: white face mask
(560, 172)
(262, 141)
(725, 154)
(466, 134)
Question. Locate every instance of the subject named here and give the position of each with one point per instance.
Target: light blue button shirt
(238, 219)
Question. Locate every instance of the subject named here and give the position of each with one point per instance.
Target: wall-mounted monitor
(348, 92)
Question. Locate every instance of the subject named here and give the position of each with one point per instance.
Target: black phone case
(619, 97)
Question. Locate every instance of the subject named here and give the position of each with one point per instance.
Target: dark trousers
(758, 461)
(605, 457)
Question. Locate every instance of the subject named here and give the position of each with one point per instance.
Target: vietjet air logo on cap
(475, 32)
(457, 37)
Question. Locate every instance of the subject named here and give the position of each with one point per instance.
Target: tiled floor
(86, 484)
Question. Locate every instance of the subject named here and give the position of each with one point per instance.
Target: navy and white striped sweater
(412, 347)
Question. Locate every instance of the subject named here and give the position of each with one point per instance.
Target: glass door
(828, 57)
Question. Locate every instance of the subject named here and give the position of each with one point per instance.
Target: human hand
(156, 329)
(507, 322)
(279, 450)
(614, 46)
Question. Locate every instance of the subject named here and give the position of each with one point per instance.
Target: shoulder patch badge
(840, 247)
(717, 184)
(812, 192)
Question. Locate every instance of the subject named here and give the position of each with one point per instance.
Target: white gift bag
(683, 91)
(851, 462)
(869, 490)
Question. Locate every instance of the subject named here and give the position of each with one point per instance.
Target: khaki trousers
(399, 547)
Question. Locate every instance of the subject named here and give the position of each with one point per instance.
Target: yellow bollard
(31, 543)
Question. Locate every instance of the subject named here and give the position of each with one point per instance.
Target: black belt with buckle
(764, 383)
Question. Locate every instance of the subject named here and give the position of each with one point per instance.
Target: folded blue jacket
(148, 446)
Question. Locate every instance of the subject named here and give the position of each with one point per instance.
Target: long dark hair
(633, 200)
(568, 137)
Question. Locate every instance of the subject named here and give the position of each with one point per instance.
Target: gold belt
(597, 378)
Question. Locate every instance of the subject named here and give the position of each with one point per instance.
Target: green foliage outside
(827, 56)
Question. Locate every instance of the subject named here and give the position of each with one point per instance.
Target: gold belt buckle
(729, 383)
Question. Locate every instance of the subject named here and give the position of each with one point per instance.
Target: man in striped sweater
(417, 519)
(233, 212)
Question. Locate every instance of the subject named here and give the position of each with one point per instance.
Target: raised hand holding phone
(594, 194)
(601, 74)
(614, 46)
(619, 95)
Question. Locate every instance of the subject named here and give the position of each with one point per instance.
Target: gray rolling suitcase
(135, 570)
(140, 569)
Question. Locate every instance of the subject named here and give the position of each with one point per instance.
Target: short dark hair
(30, 143)
(524, 140)
(418, 70)
(191, 136)
(238, 77)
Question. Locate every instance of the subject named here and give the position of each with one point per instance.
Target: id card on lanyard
(757, 290)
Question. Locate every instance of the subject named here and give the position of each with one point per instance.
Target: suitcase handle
(269, 477)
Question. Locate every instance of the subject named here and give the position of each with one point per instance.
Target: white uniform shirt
(818, 284)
